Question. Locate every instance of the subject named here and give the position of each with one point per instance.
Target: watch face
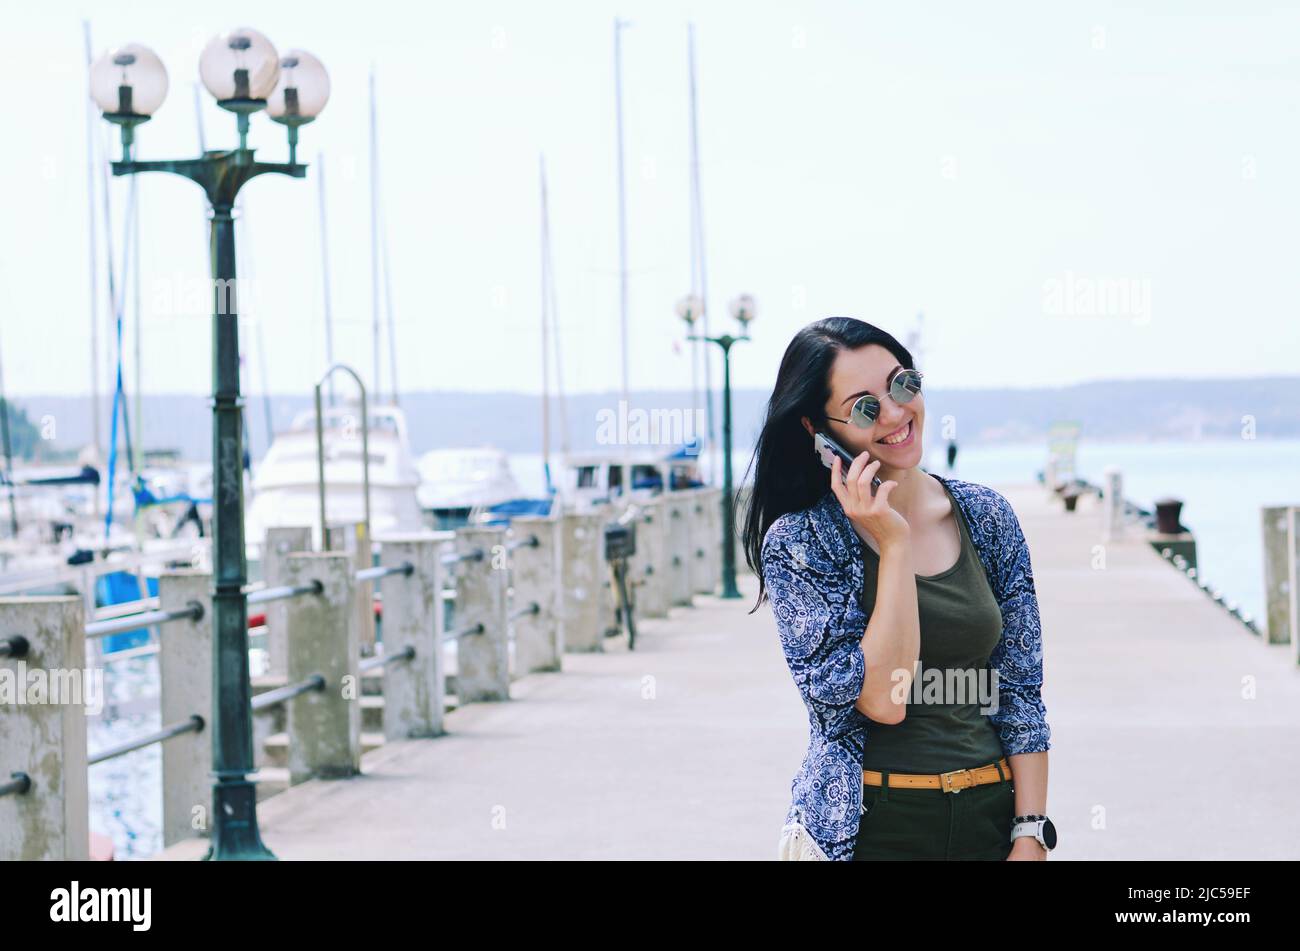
(1049, 833)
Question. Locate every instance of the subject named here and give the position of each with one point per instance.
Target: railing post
(679, 549)
(534, 575)
(44, 739)
(185, 669)
(482, 658)
(324, 725)
(1112, 512)
(582, 574)
(650, 563)
(279, 542)
(1293, 577)
(351, 537)
(702, 540)
(414, 690)
(1281, 555)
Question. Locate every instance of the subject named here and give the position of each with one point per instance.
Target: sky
(1067, 194)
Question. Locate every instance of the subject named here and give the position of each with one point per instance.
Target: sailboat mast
(546, 356)
(388, 298)
(92, 127)
(374, 237)
(9, 461)
(553, 313)
(619, 24)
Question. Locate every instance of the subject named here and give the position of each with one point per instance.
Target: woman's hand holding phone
(869, 513)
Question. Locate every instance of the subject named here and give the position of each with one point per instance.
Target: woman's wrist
(896, 547)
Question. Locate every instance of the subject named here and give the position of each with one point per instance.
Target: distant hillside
(1118, 410)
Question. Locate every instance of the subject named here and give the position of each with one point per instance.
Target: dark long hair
(788, 476)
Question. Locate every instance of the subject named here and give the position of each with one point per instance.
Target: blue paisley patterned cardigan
(812, 567)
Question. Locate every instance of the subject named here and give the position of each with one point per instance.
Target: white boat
(455, 481)
(285, 484)
(592, 478)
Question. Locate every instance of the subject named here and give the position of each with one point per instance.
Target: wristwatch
(1040, 827)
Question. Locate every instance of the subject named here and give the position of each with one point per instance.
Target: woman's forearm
(1029, 772)
(891, 643)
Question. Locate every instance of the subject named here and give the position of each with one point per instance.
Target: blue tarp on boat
(119, 587)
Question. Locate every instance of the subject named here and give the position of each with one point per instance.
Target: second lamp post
(743, 309)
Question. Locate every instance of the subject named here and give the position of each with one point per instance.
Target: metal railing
(284, 591)
(192, 611)
(15, 646)
(381, 571)
(407, 653)
(465, 632)
(531, 608)
(16, 785)
(271, 698)
(194, 724)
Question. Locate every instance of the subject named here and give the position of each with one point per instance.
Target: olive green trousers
(901, 823)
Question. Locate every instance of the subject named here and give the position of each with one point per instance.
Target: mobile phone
(827, 448)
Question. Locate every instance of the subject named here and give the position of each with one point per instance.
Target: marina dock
(1172, 726)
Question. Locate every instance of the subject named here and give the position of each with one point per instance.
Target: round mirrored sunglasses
(866, 410)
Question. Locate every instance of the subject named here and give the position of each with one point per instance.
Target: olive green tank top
(946, 726)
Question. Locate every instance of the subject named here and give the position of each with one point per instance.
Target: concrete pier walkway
(685, 748)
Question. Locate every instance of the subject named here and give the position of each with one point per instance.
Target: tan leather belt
(953, 781)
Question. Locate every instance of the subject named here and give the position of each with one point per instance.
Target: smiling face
(870, 369)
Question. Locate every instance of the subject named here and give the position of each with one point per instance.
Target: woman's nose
(891, 417)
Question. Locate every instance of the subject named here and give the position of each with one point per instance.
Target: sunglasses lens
(905, 385)
(865, 411)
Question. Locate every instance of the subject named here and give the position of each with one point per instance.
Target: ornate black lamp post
(245, 74)
(743, 309)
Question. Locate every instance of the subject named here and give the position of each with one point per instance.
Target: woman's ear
(807, 425)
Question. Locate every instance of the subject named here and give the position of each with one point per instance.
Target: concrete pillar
(1278, 523)
(583, 571)
(350, 537)
(610, 625)
(279, 542)
(1293, 579)
(702, 541)
(535, 578)
(650, 564)
(679, 549)
(414, 690)
(324, 725)
(713, 546)
(44, 739)
(482, 658)
(1112, 510)
(185, 669)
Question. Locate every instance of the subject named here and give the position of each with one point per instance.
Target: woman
(948, 762)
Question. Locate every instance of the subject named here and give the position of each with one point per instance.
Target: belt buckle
(947, 784)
